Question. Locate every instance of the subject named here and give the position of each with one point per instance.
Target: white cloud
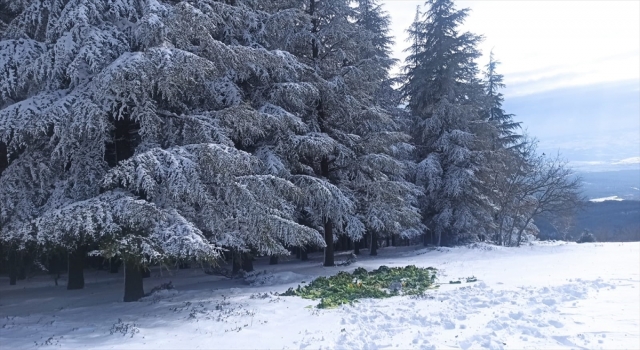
(632, 160)
(571, 70)
(546, 45)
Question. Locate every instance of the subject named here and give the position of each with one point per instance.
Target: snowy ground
(550, 296)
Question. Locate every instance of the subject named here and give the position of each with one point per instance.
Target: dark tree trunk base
(13, 268)
(22, 266)
(328, 239)
(296, 251)
(273, 260)
(304, 256)
(54, 267)
(236, 262)
(365, 241)
(247, 262)
(76, 269)
(133, 284)
(374, 244)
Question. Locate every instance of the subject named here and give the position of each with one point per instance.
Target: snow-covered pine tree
(387, 201)
(446, 97)
(352, 140)
(125, 108)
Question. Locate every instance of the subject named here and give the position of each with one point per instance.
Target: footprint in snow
(448, 324)
(555, 323)
(517, 315)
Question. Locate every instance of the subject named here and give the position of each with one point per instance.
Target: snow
(266, 278)
(547, 295)
(612, 198)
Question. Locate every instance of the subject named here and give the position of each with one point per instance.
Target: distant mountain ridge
(609, 221)
(624, 184)
(612, 212)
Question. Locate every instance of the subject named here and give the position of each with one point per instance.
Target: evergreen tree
(505, 155)
(351, 60)
(505, 134)
(128, 128)
(446, 98)
(152, 130)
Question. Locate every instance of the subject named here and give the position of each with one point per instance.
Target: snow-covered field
(544, 296)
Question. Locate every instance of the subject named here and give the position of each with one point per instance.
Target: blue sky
(572, 70)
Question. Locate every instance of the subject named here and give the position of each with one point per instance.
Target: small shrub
(385, 282)
(130, 329)
(586, 237)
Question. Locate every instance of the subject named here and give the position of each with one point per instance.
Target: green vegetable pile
(384, 282)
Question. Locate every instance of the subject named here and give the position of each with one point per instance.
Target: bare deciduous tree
(532, 185)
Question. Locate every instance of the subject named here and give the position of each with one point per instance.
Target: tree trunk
(54, 267)
(328, 239)
(273, 260)
(247, 262)
(513, 225)
(13, 268)
(522, 230)
(133, 284)
(304, 255)
(76, 269)
(356, 247)
(500, 234)
(22, 266)
(328, 224)
(236, 262)
(388, 241)
(297, 251)
(393, 240)
(374, 244)
(315, 50)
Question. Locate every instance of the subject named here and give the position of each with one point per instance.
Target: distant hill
(609, 221)
(624, 184)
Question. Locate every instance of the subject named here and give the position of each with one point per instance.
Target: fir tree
(502, 122)
(119, 109)
(505, 155)
(360, 135)
(446, 97)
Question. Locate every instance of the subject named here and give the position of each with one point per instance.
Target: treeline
(150, 130)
